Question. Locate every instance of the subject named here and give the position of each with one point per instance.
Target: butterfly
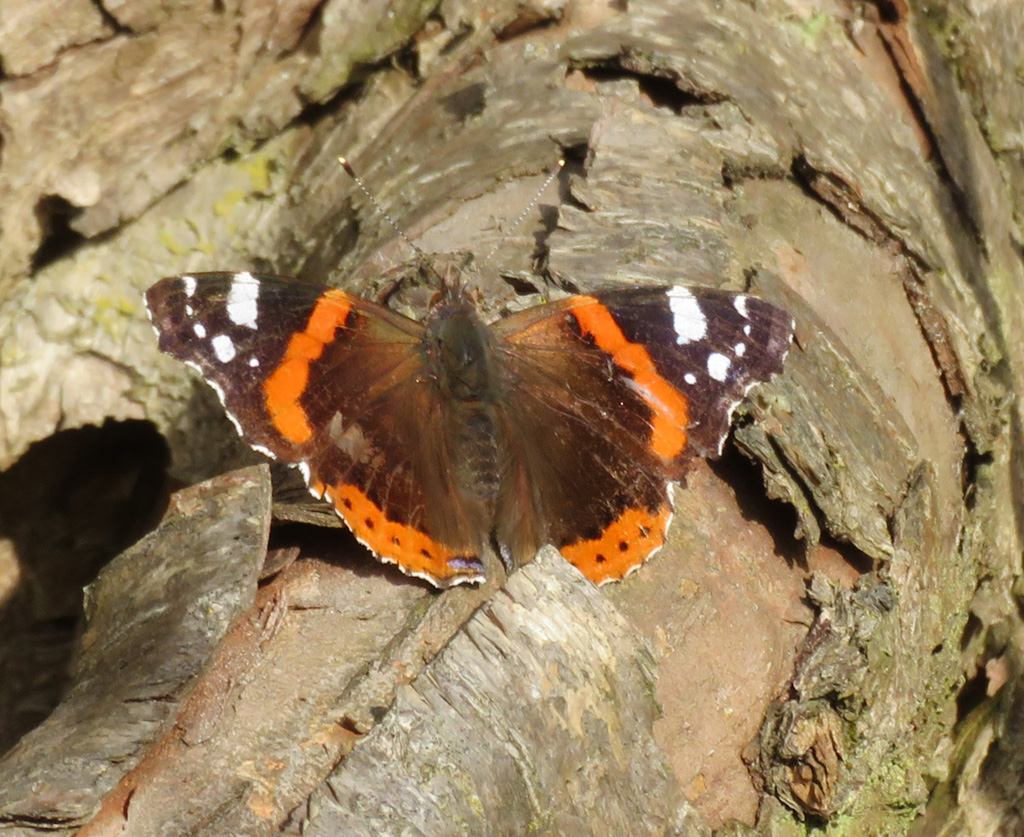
(563, 423)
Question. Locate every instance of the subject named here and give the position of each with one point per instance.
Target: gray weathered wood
(538, 716)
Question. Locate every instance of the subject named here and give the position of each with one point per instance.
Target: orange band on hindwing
(629, 541)
(286, 384)
(415, 552)
(669, 407)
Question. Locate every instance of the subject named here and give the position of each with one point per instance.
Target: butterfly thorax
(460, 353)
(462, 364)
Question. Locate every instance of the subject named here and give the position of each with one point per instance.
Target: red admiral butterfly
(562, 424)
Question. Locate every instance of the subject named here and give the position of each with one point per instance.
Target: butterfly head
(448, 273)
(459, 347)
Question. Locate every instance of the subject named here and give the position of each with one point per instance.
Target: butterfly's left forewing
(331, 383)
(255, 339)
(710, 345)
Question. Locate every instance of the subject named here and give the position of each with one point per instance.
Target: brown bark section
(832, 162)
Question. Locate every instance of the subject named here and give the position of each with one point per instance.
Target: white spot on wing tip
(189, 284)
(718, 366)
(690, 378)
(223, 348)
(740, 303)
(243, 296)
(688, 319)
(199, 330)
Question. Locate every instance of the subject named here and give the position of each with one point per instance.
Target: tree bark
(832, 632)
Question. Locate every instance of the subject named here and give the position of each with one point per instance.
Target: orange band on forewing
(285, 386)
(668, 406)
(622, 547)
(415, 552)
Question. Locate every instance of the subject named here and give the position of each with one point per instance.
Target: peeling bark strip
(147, 643)
(860, 171)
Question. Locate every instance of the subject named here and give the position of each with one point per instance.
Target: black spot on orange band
(630, 540)
(415, 552)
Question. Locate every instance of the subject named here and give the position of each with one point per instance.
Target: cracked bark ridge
(105, 98)
(155, 617)
(803, 745)
(458, 748)
(293, 688)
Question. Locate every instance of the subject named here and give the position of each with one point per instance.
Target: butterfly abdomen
(476, 452)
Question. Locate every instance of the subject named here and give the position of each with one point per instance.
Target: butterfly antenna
(351, 172)
(529, 208)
